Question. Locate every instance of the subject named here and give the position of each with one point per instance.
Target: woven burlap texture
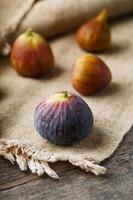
(19, 96)
(12, 13)
(112, 108)
(50, 17)
(55, 17)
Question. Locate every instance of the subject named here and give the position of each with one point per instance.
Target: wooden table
(74, 183)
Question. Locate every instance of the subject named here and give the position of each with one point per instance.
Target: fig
(90, 74)
(94, 35)
(63, 118)
(31, 55)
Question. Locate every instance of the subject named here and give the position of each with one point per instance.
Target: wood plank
(11, 176)
(76, 184)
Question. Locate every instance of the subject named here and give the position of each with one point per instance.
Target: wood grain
(11, 176)
(74, 183)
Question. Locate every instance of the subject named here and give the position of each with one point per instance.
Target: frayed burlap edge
(28, 157)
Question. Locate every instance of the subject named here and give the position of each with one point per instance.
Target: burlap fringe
(28, 157)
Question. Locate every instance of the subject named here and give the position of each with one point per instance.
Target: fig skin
(63, 118)
(31, 55)
(90, 75)
(95, 35)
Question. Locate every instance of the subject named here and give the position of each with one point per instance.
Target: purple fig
(63, 118)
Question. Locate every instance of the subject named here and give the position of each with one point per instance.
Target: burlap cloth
(112, 108)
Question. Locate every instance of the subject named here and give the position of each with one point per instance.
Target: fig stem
(65, 94)
(29, 32)
(102, 15)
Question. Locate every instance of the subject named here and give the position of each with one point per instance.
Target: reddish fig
(90, 74)
(31, 55)
(94, 35)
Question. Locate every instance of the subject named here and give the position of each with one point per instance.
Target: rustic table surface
(74, 183)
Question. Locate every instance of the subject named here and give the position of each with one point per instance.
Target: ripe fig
(31, 55)
(90, 74)
(63, 118)
(94, 35)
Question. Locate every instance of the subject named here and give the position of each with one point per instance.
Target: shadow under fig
(122, 18)
(117, 47)
(54, 73)
(95, 140)
(112, 89)
(3, 94)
